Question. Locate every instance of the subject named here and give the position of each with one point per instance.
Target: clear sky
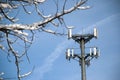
(47, 53)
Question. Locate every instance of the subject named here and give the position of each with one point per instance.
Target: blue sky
(47, 53)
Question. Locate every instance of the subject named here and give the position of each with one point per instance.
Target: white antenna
(68, 52)
(95, 33)
(70, 32)
(95, 51)
(72, 52)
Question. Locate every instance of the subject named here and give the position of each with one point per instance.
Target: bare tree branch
(25, 32)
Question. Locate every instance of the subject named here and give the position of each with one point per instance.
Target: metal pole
(82, 62)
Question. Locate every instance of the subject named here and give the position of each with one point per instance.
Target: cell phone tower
(83, 58)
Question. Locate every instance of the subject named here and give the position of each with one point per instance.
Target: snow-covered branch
(84, 7)
(24, 33)
(25, 75)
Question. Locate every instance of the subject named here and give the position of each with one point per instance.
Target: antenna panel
(69, 33)
(95, 51)
(95, 33)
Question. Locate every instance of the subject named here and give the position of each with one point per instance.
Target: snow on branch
(5, 5)
(84, 7)
(24, 75)
(38, 25)
(25, 32)
(18, 27)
